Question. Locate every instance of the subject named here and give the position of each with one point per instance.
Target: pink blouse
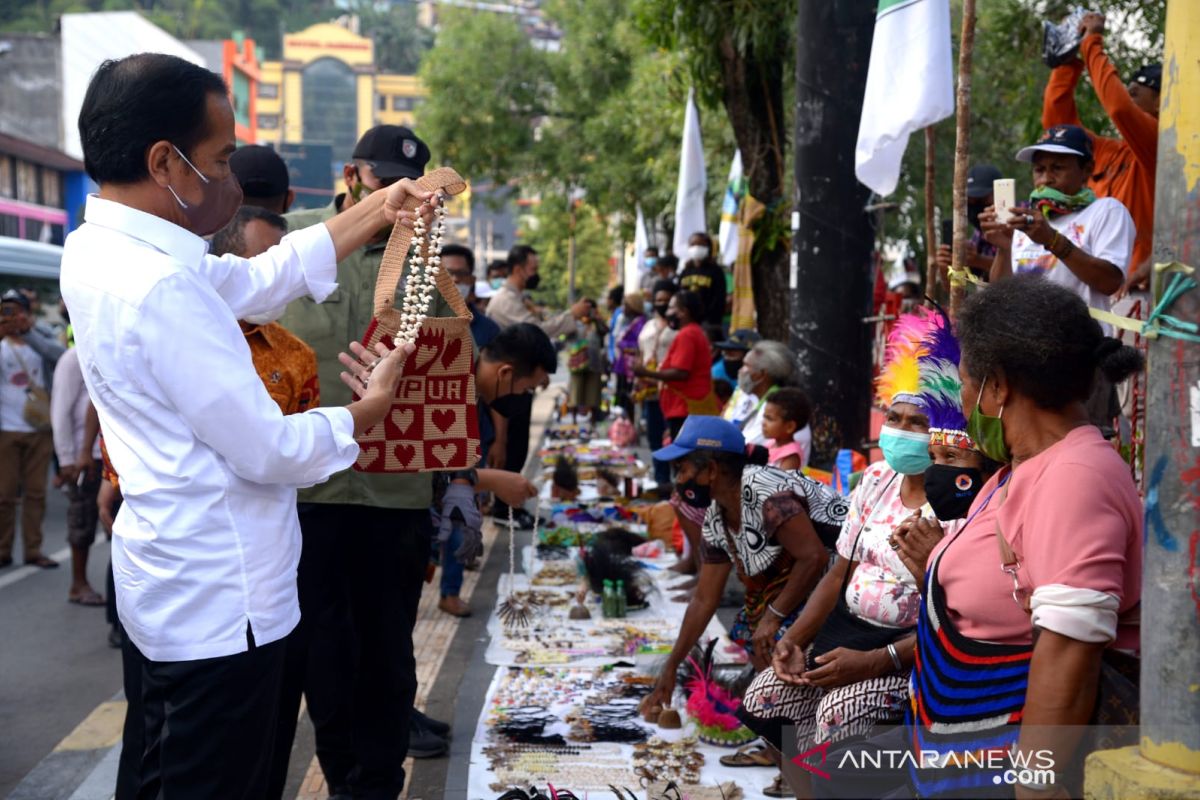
(1072, 516)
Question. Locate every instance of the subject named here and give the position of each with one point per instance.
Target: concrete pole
(1166, 764)
(831, 274)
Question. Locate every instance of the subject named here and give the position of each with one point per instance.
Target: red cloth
(1125, 167)
(689, 351)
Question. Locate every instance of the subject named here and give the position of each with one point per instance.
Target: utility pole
(831, 270)
(1166, 763)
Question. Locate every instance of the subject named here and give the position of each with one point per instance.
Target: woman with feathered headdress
(843, 666)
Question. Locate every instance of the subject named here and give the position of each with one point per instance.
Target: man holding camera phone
(1068, 235)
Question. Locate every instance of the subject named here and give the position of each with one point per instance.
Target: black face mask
(694, 494)
(661, 310)
(950, 490)
(532, 281)
(507, 404)
(732, 367)
(674, 322)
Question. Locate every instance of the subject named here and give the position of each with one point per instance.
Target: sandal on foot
(752, 755)
(779, 788)
(88, 598)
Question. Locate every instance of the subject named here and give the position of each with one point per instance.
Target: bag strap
(24, 368)
(391, 269)
(861, 528)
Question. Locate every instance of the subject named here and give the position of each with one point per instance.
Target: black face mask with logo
(950, 490)
(508, 404)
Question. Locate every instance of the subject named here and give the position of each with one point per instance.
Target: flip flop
(89, 598)
(778, 788)
(752, 755)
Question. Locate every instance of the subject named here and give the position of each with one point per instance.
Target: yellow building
(326, 91)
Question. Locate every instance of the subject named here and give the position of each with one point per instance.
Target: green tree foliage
(1006, 105)
(549, 230)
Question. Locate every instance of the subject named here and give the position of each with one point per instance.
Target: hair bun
(1118, 361)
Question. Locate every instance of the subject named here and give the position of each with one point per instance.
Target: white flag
(634, 267)
(910, 85)
(735, 190)
(689, 195)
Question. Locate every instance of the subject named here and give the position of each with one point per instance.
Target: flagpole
(931, 270)
(962, 147)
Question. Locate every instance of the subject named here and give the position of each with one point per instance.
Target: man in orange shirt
(1124, 167)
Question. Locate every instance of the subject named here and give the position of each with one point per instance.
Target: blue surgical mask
(650, 261)
(496, 283)
(907, 452)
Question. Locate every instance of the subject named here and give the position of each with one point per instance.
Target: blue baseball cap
(703, 433)
(1070, 139)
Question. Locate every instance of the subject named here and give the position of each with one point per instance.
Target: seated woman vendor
(775, 527)
(843, 666)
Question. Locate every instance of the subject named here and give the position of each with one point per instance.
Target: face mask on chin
(220, 201)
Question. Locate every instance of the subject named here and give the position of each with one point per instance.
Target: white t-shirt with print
(1103, 230)
(14, 380)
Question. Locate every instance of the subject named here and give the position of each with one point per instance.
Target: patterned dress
(770, 497)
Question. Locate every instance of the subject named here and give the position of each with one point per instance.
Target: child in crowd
(786, 412)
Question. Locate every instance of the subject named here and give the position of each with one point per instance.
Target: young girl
(787, 411)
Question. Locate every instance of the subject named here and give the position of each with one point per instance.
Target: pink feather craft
(906, 344)
(709, 704)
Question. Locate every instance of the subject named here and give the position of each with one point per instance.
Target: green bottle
(619, 592)
(608, 600)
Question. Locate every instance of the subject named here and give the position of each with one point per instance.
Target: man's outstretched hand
(1091, 23)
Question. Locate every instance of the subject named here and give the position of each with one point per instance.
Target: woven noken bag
(433, 424)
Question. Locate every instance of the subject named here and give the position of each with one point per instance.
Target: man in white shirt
(25, 444)
(207, 540)
(1069, 235)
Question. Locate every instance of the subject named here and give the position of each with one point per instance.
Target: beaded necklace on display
(424, 265)
(516, 608)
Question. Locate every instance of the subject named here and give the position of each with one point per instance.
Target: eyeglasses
(1020, 595)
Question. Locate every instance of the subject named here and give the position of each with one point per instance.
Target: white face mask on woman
(697, 252)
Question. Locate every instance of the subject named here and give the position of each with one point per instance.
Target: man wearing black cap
(263, 176)
(1124, 167)
(366, 537)
(980, 252)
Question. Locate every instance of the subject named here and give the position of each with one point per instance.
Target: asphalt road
(55, 662)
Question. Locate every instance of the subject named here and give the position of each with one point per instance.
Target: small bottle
(607, 600)
(620, 598)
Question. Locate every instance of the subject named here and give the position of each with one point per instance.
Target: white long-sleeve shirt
(207, 540)
(68, 409)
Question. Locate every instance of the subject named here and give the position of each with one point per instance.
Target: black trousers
(360, 578)
(207, 726)
(518, 444)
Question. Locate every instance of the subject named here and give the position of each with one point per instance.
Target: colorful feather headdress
(941, 387)
(900, 379)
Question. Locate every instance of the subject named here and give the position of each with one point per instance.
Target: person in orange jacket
(1125, 166)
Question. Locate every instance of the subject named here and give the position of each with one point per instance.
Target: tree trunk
(753, 100)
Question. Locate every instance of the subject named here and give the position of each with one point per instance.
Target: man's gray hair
(775, 359)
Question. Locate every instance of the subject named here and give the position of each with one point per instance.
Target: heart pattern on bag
(403, 419)
(422, 357)
(404, 453)
(443, 418)
(444, 452)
